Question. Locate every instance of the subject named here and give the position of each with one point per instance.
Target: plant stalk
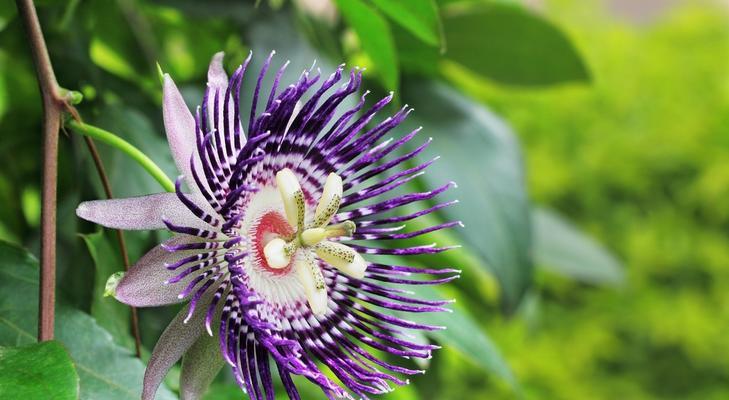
(53, 106)
(115, 141)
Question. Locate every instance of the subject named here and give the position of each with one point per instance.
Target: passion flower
(273, 235)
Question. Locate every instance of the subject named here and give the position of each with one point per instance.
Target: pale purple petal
(217, 77)
(144, 212)
(144, 284)
(180, 126)
(200, 365)
(172, 344)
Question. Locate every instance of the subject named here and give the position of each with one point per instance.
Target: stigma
(311, 239)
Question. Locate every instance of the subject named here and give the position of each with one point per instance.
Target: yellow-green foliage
(640, 159)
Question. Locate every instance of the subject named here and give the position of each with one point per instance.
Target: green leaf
(8, 11)
(375, 37)
(37, 371)
(481, 154)
(118, 51)
(419, 17)
(464, 335)
(561, 247)
(109, 313)
(106, 370)
(106, 57)
(510, 44)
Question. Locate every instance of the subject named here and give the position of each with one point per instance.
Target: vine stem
(53, 106)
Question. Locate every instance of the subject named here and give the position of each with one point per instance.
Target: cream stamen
(278, 252)
(311, 278)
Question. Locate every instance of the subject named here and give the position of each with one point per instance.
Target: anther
(342, 257)
(292, 196)
(330, 200)
(311, 278)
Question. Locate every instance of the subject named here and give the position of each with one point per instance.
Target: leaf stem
(127, 148)
(53, 105)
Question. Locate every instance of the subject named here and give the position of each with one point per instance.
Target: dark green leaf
(416, 58)
(463, 334)
(419, 17)
(561, 247)
(375, 37)
(482, 155)
(37, 371)
(117, 50)
(8, 11)
(511, 45)
(106, 370)
(109, 313)
(107, 57)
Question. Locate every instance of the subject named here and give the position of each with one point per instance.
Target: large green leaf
(419, 17)
(118, 51)
(375, 37)
(37, 371)
(510, 44)
(106, 370)
(482, 155)
(463, 334)
(107, 57)
(561, 247)
(109, 313)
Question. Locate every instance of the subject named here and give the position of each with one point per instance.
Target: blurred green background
(589, 138)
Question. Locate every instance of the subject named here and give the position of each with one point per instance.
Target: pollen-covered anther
(292, 196)
(342, 257)
(311, 278)
(330, 200)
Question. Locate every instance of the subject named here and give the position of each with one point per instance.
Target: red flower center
(270, 226)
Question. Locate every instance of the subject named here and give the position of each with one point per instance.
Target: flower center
(303, 241)
(271, 225)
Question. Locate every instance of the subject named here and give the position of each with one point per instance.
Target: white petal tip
(82, 211)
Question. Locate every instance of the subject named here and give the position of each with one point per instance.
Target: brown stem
(119, 235)
(52, 112)
(53, 106)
